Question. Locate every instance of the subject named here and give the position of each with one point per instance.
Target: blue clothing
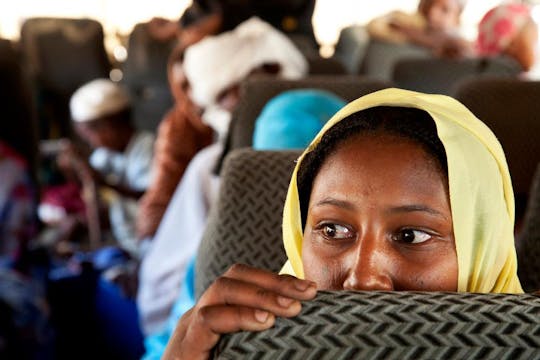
(155, 344)
(292, 119)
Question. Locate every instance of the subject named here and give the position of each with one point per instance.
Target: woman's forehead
(379, 163)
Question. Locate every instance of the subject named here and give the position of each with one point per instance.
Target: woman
(399, 191)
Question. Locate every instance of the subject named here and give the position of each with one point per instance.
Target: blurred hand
(243, 299)
(73, 164)
(454, 48)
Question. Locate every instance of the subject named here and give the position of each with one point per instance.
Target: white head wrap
(217, 62)
(98, 98)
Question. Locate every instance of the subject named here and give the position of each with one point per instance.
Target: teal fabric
(292, 119)
(155, 343)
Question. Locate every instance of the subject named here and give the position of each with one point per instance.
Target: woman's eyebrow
(336, 202)
(415, 208)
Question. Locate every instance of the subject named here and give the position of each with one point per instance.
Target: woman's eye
(410, 236)
(335, 231)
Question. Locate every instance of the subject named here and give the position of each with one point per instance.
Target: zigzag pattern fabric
(528, 244)
(398, 325)
(245, 225)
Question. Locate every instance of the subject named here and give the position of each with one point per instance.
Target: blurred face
(441, 15)
(523, 47)
(379, 219)
(99, 133)
(178, 82)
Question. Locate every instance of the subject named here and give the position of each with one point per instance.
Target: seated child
(121, 157)
(434, 20)
(400, 191)
(508, 30)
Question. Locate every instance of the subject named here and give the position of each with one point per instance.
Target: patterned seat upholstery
(398, 325)
(510, 107)
(440, 76)
(528, 241)
(245, 225)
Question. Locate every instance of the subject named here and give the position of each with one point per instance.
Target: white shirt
(177, 239)
(130, 168)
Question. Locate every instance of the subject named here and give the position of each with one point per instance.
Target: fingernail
(303, 285)
(284, 301)
(261, 315)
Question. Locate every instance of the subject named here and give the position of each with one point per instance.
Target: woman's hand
(244, 298)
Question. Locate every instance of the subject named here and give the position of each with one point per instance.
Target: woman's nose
(371, 268)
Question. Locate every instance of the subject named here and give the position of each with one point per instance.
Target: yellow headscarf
(481, 195)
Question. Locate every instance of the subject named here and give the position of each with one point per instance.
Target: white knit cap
(217, 62)
(97, 98)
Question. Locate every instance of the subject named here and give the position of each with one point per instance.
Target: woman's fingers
(244, 298)
(281, 284)
(230, 291)
(223, 319)
(206, 324)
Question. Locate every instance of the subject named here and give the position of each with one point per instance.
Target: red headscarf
(500, 26)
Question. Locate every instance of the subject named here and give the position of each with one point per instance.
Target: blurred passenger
(292, 119)
(181, 134)
(205, 93)
(214, 69)
(121, 157)
(288, 121)
(400, 191)
(289, 16)
(509, 30)
(506, 30)
(435, 20)
(17, 204)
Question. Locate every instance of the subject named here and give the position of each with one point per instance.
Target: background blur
(119, 16)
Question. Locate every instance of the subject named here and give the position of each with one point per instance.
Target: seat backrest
(528, 241)
(145, 75)
(397, 325)
(325, 66)
(256, 92)
(245, 224)
(440, 76)
(511, 108)
(64, 53)
(381, 56)
(351, 47)
(61, 55)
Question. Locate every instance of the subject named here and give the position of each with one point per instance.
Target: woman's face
(379, 219)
